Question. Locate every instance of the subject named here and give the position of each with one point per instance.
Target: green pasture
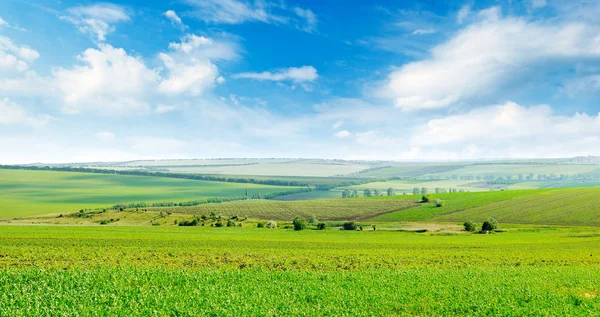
(27, 193)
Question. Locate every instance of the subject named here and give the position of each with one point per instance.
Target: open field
(27, 193)
(323, 209)
(407, 186)
(140, 271)
(568, 206)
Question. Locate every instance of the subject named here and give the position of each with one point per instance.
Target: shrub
(104, 222)
(260, 225)
(489, 225)
(186, 223)
(312, 220)
(230, 223)
(350, 225)
(321, 226)
(425, 199)
(219, 224)
(470, 226)
(155, 224)
(299, 223)
(271, 225)
(438, 202)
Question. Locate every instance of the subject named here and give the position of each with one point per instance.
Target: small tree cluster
(470, 226)
(299, 223)
(489, 225)
(271, 224)
(350, 225)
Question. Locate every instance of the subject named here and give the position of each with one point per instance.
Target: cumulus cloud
(175, 19)
(190, 65)
(3, 23)
(295, 74)
(97, 19)
(511, 130)
(15, 58)
(108, 81)
(343, 134)
(11, 113)
(483, 57)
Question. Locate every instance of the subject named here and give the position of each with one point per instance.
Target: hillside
(569, 206)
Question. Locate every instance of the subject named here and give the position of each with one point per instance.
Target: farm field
(407, 186)
(568, 206)
(27, 193)
(140, 271)
(323, 209)
(507, 169)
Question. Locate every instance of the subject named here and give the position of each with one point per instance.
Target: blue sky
(401, 80)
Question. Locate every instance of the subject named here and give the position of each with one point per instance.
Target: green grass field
(27, 193)
(568, 206)
(158, 271)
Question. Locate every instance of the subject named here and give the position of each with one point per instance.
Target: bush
(350, 225)
(186, 223)
(312, 220)
(271, 224)
(470, 226)
(299, 223)
(219, 224)
(438, 202)
(230, 223)
(489, 225)
(260, 225)
(321, 226)
(425, 199)
(104, 222)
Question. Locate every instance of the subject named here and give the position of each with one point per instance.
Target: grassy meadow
(28, 193)
(158, 271)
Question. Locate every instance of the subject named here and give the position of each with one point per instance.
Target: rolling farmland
(27, 193)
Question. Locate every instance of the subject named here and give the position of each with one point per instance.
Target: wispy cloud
(175, 19)
(295, 74)
(97, 20)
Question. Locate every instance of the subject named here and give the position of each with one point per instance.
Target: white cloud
(105, 136)
(424, 31)
(110, 81)
(295, 74)
(234, 11)
(191, 67)
(343, 134)
(463, 13)
(309, 17)
(338, 124)
(510, 130)
(2, 22)
(97, 19)
(484, 57)
(206, 48)
(175, 19)
(15, 58)
(13, 114)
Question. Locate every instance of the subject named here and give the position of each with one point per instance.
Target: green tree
(390, 191)
(416, 191)
(423, 191)
(367, 192)
(299, 223)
